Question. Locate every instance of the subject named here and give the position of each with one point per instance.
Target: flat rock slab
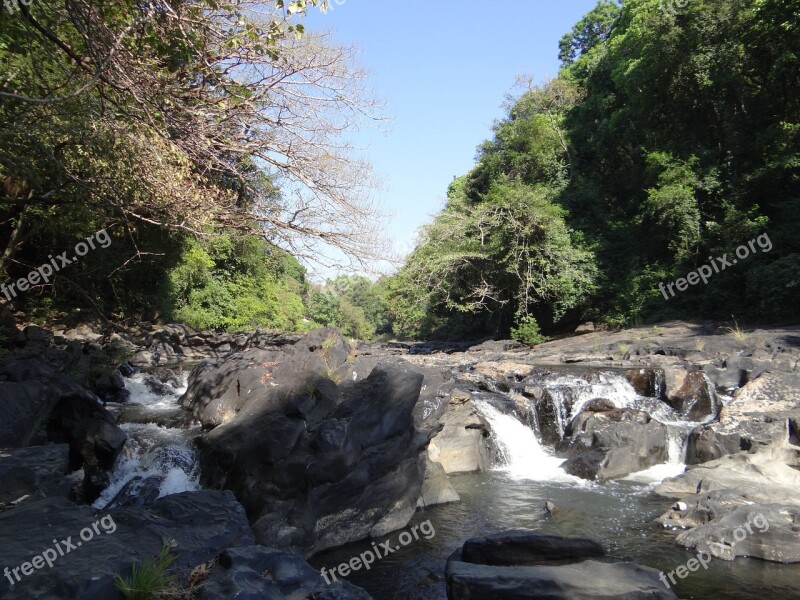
(586, 580)
(528, 548)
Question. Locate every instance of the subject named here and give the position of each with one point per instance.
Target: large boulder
(464, 443)
(723, 500)
(198, 526)
(527, 565)
(692, 394)
(315, 464)
(605, 443)
(39, 405)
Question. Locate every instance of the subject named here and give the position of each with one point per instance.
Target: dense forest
(668, 138)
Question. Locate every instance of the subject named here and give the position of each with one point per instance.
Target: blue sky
(443, 68)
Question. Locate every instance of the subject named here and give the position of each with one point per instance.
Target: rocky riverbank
(312, 443)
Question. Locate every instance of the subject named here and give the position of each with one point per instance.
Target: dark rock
(199, 525)
(37, 470)
(137, 493)
(609, 444)
(90, 430)
(525, 548)
(527, 565)
(317, 465)
(696, 399)
(258, 572)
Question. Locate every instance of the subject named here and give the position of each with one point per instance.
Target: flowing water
(159, 453)
(621, 514)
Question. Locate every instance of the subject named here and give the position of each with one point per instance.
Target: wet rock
(463, 445)
(138, 492)
(691, 394)
(647, 382)
(528, 548)
(522, 566)
(607, 444)
(436, 488)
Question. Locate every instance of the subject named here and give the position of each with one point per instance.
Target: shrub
(527, 332)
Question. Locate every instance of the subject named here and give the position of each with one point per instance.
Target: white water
(524, 456)
(153, 450)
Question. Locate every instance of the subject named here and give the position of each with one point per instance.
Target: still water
(620, 515)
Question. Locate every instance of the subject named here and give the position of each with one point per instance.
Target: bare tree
(192, 115)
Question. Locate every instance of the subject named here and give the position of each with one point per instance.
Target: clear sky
(443, 67)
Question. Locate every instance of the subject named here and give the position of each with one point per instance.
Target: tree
(185, 115)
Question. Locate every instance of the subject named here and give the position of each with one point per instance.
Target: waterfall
(158, 459)
(523, 455)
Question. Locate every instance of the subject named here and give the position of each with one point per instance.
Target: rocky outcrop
(175, 344)
(527, 565)
(605, 443)
(40, 405)
(198, 526)
(464, 443)
(315, 464)
(255, 572)
(722, 501)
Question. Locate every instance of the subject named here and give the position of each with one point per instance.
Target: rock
(111, 387)
(526, 565)
(138, 492)
(774, 394)
(647, 382)
(587, 327)
(90, 430)
(608, 444)
(765, 531)
(199, 525)
(258, 572)
(436, 488)
(38, 470)
(523, 548)
(24, 411)
(550, 507)
(694, 397)
(709, 442)
(39, 405)
(318, 465)
(767, 476)
(463, 445)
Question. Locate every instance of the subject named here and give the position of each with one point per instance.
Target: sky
(444, 69)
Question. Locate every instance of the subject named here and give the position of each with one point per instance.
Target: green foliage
(527, 332)
(235, 283)
(148, 580)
